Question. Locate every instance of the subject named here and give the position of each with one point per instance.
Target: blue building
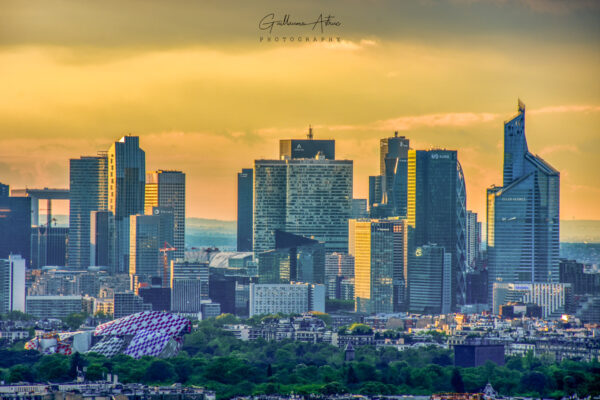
(388, 191)
(436, 210)
(523, 214)
(15, 225)
(244, 209)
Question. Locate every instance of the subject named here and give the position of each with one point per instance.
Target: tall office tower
(270, 182)
(359, 209)
(375, 194)
(244, 210)
(167, 189)
(306, 197)
(306, 148)
(88, 189)
(379, 248)
(189, 285)
(126, 181)
(49, 246)
(319, 200)
(103, 239)
(15, 225)
(523, 214)
(430, 280)
(473, 235)
(294, 259)
(129, 303)
(389, 189)
(12, 284)
(338, 266)
(436, 209)
(4, 190)
(144, 253)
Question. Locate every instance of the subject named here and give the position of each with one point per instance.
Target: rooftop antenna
(310, 134)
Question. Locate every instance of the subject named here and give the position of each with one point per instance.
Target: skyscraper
(103, 239)
(144, 245)
(126, 181)
(436, 209)
(306, 148)
(306, 197)
(12, 284)
(379, 248)
(167, 189)
(88, 188)
(293, 259)
(189, 285)
(15, 226)
(244, 210)
(473, 235)
(389, 189)
(523, 214)
(430, 280)
(49, 246)
(4, 190)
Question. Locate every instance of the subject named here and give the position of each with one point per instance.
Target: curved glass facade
(523, 215)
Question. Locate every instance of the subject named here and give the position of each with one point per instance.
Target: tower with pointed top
(523, 213)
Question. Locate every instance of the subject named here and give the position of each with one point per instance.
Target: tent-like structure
(149, 333)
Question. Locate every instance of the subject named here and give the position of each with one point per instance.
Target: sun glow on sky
(207, 97)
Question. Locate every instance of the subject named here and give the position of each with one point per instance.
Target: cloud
(435, 120)
(405, 123)
(565, 148)
(564, 109)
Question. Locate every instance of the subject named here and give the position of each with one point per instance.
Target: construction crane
(165, 250)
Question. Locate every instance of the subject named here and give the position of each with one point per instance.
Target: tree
(360, 329)
(94, 372)
(21, 373)
(457, 381)
(333, 388)
(226, 319)
(159, 371)
(53, 368)
(351, 377)
(17, 316)
(533, 381)
(74, 320)
(77, 364)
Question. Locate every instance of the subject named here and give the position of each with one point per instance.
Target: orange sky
(207, 97)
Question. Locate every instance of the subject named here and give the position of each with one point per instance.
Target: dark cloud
(140, 25)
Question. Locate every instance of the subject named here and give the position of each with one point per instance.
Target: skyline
(443, 74)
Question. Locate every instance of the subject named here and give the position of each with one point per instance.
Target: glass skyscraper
(430, 280)
(15, 225)
(436, 208)
(144, 244)
(379, 248)
(126, 184)
(244, 210)
(88, 189)
(388, 191)
(167, 189)
(523, 214)
(306, 197)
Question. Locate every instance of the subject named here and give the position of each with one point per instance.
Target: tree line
(214, 358)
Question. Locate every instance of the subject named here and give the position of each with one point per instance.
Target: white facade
(12, 275)
(293, 298)
(550, 296)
